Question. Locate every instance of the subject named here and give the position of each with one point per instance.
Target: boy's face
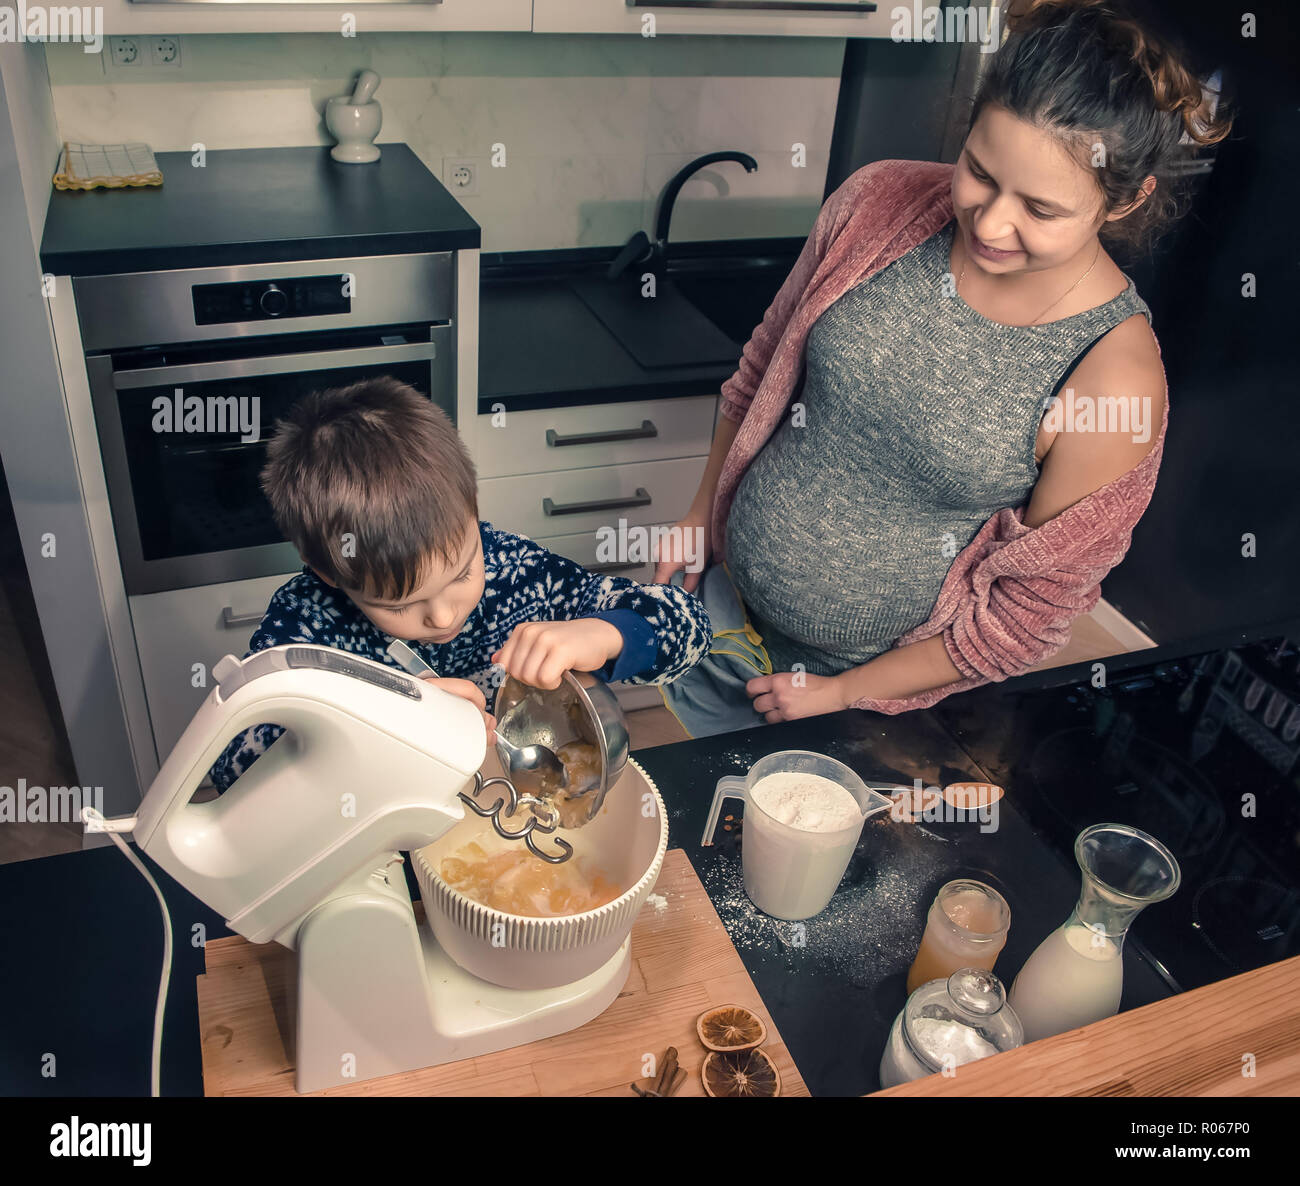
(437, 610)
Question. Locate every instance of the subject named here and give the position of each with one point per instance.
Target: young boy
(373, 486)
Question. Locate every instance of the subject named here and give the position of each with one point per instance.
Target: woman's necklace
(1059, 299)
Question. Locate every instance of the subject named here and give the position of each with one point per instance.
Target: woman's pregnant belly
(838, 569)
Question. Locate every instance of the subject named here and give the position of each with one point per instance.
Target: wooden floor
(31, 746)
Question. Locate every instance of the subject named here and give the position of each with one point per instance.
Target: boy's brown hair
(378, 466)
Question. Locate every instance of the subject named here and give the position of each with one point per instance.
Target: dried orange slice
(730, 1028)
(746, 1074)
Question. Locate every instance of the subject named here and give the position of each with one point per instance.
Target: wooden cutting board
(682, 964)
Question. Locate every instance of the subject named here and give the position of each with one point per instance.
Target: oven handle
(280, 364)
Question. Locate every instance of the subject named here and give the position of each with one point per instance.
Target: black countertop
(255, 206)
(83, 937)
(542, 346)
(834, 984)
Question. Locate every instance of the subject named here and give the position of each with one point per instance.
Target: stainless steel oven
(189, 370)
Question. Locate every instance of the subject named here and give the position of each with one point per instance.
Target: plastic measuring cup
(790, 873)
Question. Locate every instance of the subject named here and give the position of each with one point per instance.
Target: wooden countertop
(1197, 1043)
(683, 963)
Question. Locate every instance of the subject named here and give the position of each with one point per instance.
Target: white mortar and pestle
(354, 121)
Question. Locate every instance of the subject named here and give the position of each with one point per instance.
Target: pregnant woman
(895, 505)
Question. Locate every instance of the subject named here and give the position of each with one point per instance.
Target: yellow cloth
(711, 698)
(87, 166)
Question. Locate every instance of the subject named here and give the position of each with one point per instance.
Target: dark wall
(1231, 459)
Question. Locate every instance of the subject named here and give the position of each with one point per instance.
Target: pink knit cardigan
(1011, 594)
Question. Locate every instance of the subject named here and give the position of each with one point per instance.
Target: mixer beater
(515, 800)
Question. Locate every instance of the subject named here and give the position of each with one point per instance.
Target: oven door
(183, 473)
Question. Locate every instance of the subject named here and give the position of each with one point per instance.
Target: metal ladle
(534, 769)
(542, 775)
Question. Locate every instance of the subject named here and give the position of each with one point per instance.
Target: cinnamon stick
(666, 1071)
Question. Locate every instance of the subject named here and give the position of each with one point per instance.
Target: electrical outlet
(460, 175)
(165, 51)
(125, 51)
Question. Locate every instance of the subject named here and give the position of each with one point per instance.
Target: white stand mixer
(303, 850)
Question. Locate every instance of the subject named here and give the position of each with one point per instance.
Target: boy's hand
(539, 653)
(467, 690)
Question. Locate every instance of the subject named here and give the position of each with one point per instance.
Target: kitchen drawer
(182, 627)
(580, 501)
(582, 549)
(281, 16)
(555, 439)
(758, 18)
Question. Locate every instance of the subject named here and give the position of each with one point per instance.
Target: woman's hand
(689, 535)
(468, 691)
(779, 698)
(539, 653)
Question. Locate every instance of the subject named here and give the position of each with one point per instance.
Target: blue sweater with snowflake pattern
(665, 630)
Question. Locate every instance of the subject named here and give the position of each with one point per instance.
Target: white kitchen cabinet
(178, 629)
(596, 434)
(449, 16)
(766, 18)
(583, 547)
(570, 502)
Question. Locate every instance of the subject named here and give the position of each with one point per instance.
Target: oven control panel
(271, 300)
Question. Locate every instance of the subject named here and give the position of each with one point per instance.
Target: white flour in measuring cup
(793, 876)
(808, 802)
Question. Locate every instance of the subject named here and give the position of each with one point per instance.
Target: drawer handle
(232, 621)
(625, 566)
(639, 499)
(647, 429)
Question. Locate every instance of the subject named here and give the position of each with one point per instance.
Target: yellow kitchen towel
(87, 166)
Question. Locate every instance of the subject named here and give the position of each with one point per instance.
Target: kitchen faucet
(639, 249)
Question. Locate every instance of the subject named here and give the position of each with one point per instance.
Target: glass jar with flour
(803, 815)
(948, 1023)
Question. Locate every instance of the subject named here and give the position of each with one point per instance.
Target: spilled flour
(869, 931)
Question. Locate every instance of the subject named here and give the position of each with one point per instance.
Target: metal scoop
(534, 769)
(534, 774)
(581, 724)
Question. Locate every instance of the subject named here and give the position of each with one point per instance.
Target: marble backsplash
(592, 126)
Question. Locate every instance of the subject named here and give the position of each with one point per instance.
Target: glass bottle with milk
(1076, 975)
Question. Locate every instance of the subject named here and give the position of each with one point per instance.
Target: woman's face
(1016, 189)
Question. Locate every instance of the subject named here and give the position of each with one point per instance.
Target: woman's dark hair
(1089, 73)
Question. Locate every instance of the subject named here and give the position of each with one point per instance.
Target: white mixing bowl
(626, 841)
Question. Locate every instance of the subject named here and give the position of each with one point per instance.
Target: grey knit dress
(918, 422)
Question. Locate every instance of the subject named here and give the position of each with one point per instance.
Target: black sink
(664, 331)
(734, 300)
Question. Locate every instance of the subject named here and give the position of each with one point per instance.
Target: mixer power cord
(95, 822)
